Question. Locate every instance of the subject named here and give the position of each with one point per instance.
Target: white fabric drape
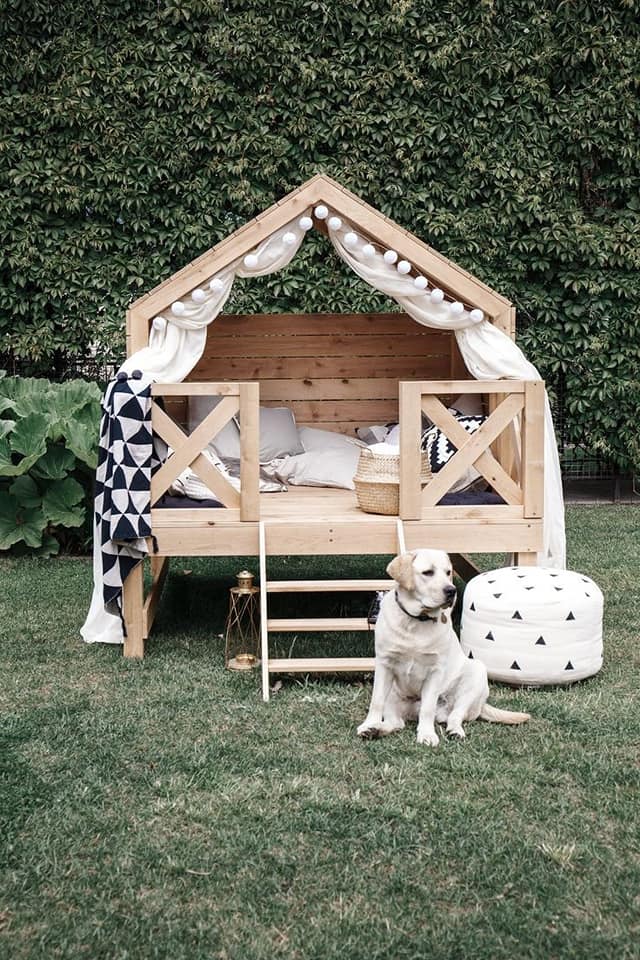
(488, 353)
(176, 343)
(178, 338)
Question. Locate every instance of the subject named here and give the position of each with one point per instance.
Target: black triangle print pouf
(533, 626)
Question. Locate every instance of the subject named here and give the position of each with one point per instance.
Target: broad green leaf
(55, 464)
(6, 426)
(26, 492)
(29, 435)
(10, 469)
(82, 438)
(62, 503)
(18, 524)
(49, 547)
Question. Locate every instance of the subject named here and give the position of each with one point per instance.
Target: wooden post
(410, 410)
(533, 449)
(132, 609)
(249, 451)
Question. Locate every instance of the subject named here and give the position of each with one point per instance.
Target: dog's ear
(401, 570)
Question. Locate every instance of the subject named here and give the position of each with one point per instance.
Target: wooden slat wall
(337, 371)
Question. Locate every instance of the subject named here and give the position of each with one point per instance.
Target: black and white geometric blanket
(126, 460)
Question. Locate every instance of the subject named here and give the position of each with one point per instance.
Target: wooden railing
(507, 449)
(238, 398)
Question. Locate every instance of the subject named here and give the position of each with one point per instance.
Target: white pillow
(334, 467)
(226, 443)
(313, 438)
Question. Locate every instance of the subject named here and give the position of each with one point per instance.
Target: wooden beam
(410, 494)
(323, 665)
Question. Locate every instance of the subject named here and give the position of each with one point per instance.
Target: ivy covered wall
(138, 133)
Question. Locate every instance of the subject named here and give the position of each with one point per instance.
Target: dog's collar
(419, 616)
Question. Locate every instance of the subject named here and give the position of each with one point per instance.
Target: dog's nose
(450, 592)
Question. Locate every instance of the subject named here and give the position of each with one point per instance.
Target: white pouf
(533, 625)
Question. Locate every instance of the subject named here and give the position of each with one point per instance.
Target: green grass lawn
(160, 809)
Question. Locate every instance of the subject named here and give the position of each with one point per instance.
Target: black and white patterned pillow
(437, 445)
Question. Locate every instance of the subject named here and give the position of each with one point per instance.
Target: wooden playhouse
(336, 372)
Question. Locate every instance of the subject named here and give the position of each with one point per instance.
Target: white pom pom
(404, 266)
(289, 239)
(390, 256)
(456, 308)
(251, 261)
(350, 240)
(368, 251)
(421, 282)
(178, 308)
(334, 223)
(437, 295)
(198, 296)
(216, 285)
(321, 212)
(477, 316)
(159, 324)
(305, 223)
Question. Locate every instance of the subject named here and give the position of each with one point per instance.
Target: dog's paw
(429, 737)
(371, 731)
(456, 733)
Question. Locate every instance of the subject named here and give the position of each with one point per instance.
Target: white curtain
(488, 353)
(178, 338)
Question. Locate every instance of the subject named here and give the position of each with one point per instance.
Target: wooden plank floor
(310, 520)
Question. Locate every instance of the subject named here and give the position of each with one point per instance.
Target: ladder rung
(327, 586)
(312, 625)
(323, 665)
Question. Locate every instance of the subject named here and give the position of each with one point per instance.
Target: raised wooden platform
(305, 520)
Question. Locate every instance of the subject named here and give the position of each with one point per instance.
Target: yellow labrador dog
(420, 671)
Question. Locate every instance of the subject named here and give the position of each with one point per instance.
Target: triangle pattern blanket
(126, 461)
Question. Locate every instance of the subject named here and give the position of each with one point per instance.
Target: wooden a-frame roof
(456, 282)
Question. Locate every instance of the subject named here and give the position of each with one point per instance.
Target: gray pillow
(333, 467)
(278, 434)
(226, 443)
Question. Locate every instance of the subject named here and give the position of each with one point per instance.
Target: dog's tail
(496, 715)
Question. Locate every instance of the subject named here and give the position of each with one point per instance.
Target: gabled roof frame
(456, 282)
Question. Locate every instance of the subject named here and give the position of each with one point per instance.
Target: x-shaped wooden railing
(238, 398)
(522, 405)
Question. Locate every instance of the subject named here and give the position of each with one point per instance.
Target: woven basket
(377, 481)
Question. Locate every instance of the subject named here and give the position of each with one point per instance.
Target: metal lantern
(242, 635)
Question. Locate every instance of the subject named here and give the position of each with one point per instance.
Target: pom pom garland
(305, 223)
(390, 256)
(404, 266)
(216, 285)
(289, 239)
(198, 296)
(251, 261)
(368, 251)
(159, 324)
(321, 212)
(334, 223)
(437, 296)
(421, 282)
(178, 308)
(350, 240)
(456, 308)
(477, 316)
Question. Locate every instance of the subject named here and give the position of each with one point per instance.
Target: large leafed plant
(48, 451)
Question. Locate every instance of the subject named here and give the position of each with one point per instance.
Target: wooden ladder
(313, 664)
